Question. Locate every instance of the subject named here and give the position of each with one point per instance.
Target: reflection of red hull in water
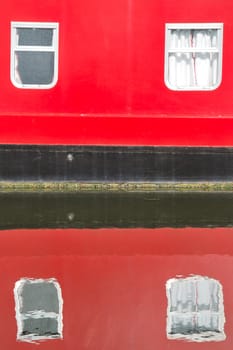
(113, 281)
(110, 88)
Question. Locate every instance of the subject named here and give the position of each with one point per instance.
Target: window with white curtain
(195, 309)
(193, 56)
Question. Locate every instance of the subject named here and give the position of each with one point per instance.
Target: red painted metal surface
(111, 88)
(120, 130)
(113, 282)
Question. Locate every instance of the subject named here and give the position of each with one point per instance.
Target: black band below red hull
(115, 164)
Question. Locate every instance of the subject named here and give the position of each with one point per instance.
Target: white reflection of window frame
(14, 74)
(36, 314)
(192, 50)
(179, 293)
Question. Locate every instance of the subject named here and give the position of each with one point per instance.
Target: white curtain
(193, 69)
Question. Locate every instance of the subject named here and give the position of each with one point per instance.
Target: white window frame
(205, 336)
(35, 314)
(34, 48)
(218, 50)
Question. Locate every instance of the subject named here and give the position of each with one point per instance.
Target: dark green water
(90, 210)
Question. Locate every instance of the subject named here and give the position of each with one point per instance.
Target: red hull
(111, 88)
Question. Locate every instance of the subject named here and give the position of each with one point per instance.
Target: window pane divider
(34, 48)
(193, 313)
(37, 314)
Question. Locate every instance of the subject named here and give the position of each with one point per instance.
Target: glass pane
(204, 38)
(197, 70)
(183, 324)
(208, 292)
(179, 38)
(39, 296)
(183, 296)
(40, 327)
(193, 38)
(34, 68)
(35, 36)
(208, 322)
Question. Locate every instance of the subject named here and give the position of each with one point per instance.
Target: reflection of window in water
(34, 55)
(38, 309)
(195, 309)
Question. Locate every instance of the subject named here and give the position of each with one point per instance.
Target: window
(193, 56)
(34, 55)
(38, 309)
(195, 309)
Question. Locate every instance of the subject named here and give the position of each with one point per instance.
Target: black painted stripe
(116, 164)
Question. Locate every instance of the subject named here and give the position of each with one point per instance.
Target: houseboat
(126, 91)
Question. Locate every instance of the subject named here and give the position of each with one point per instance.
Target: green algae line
(62, 186)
